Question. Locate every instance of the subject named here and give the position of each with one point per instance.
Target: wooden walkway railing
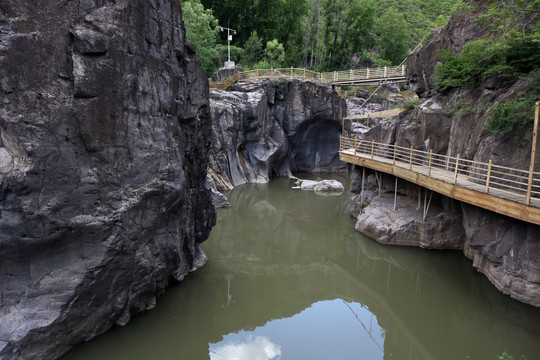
(509, 191)
(334, 77)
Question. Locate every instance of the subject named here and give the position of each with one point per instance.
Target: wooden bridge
(348, 77)
(504, 190)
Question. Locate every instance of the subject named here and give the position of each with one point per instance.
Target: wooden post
(429, 166)
(335, 75)
(378, 176)
(385, 71)
(367, 73)
(292, 73)
(402, 70)
(395, 195)
(488, 175)
(533, 153)
(372, 148)
(362, 191)
(457, 166)
(410, 159)
(355, 144)
(426, 206)
(394, 158)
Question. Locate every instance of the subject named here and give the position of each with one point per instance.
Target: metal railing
(481, 176)
(364, 74)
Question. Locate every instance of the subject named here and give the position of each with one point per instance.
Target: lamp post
(229, 64)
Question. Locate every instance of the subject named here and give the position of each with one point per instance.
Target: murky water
(289, 278)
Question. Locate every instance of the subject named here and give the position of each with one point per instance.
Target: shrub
(411, 103)
(517, 111)
(476, 60)
(506, 356)
(481, 59)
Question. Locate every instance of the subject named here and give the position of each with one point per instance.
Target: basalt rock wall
(105, 133)
(506, 250)
(273, 128)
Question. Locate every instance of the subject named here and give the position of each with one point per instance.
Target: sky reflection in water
(332, 329)
(288, 277)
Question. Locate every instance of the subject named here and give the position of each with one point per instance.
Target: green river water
(288, 277)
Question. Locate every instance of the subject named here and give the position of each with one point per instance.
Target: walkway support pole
(533, 153)
(488, 175)
(457, 167)
(362, 191)
(395, 195)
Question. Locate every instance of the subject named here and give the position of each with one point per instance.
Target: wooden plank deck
(442, 181)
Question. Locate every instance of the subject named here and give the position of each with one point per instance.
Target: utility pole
(229, 64)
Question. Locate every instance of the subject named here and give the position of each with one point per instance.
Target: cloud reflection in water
(258, 348)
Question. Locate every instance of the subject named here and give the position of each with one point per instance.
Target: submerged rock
(320, 186)
(105, 134)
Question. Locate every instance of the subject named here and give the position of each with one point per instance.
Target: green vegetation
(512, 50)
(506, 356)
(410, 104)
(516, 112)
(323, 35)
(485, 58)
(203, 30)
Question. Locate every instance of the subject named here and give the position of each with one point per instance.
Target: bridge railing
(455, 170)
(365, 73)
(324, 77)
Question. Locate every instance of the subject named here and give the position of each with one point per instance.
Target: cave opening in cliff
(314, 146)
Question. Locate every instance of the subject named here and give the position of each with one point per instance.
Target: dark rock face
(504, 249)
(404, 226)
(225, 73)
(273, 128)
(105, 130)
(508, 254)
(461, 28)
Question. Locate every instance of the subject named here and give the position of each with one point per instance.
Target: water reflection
(333, 329)
(286, 268)
(258, 348)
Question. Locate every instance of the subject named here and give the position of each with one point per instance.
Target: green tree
(274, 53)
(253, 50)
(202, 29)
(393, 36)
(348, 30)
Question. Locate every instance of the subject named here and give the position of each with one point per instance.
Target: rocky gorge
(108, 132)
(273, 128)
(452, 123)
(105, 132)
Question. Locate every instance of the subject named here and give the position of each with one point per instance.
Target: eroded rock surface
(105, 133)
(453, 123)
(405, 225)
(271, 128)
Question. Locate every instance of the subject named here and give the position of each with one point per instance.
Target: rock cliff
(105, 132)
(507, 251)
(271, 128)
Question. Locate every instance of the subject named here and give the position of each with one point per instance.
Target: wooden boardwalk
(499, 189)
(347, 77)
